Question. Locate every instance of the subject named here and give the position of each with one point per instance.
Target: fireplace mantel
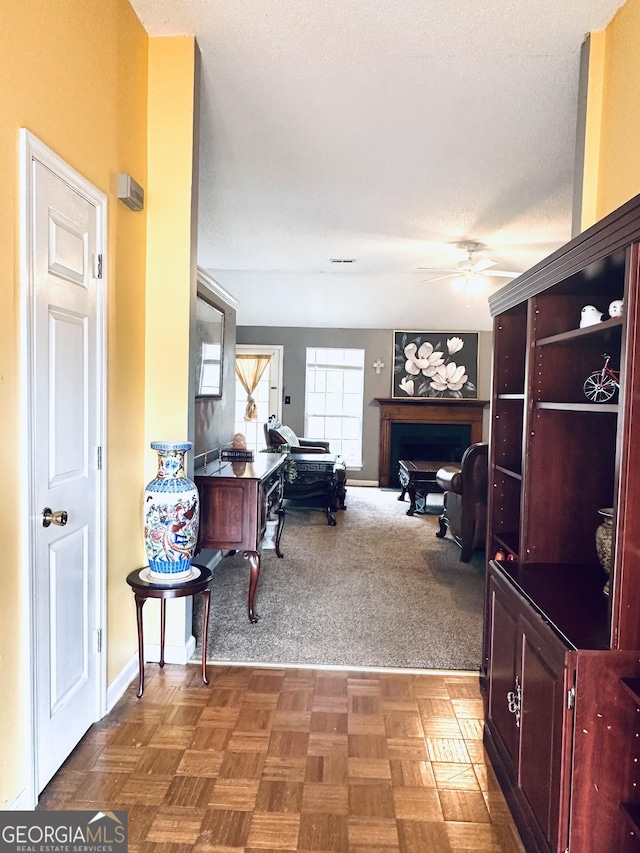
(430, 411)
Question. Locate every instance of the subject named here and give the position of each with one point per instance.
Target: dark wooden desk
(235, 500)
(317, 477)
(418, 477)
(143, 589)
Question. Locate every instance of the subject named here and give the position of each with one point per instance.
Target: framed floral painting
(435, 365)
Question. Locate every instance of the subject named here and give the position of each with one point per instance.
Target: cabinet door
(542, 720)
(228, 513)
(503, 624)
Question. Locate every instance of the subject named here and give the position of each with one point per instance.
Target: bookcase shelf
(603, 334)
(596, 408)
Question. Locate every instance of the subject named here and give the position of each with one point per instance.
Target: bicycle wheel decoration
(602, 384)
(599, 388)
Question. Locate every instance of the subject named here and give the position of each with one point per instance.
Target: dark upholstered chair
(276, 433)
(465, 500)
(312, 479)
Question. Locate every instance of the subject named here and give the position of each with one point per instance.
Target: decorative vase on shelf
(604, 543)
(171, 515)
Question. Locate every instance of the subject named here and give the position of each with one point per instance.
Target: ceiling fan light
(475, 283)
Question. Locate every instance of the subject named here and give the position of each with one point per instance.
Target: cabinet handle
(514, 701)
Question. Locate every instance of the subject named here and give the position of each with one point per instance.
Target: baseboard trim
(172, 654)
(129, 672)
(21, 803)
(116, 690)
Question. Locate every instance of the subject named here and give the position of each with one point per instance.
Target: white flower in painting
(407, 385)
(454, 345)
(449, 377)
(426, 359)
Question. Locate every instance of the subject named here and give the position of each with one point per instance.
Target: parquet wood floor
(274, 760)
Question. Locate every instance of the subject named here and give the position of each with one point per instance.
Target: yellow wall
(617, 73)
(593, 129)
(76, 75)
(171, 273)
(170, 243)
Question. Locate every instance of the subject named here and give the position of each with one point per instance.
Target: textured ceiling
(388, 131)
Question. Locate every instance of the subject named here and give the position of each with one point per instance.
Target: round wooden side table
(146, 587)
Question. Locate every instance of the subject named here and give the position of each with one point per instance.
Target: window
(334, 400)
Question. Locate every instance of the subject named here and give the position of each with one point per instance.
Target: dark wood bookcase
(561, 668)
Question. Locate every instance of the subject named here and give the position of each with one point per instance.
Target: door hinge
(97, 266)
(571, 698)
(99, 458)
(99, 640)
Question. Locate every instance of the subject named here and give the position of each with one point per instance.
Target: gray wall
(581, 128)
(377, 343)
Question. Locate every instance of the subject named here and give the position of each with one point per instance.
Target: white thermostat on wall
(130, 191)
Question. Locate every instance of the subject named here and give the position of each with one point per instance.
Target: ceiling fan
(471, 274)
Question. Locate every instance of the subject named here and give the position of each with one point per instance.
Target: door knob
(60, 517)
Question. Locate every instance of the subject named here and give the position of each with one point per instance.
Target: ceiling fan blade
(482, 265)
(502, 273)
(438, 278)
(438, 269)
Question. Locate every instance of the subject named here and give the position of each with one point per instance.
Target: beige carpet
(379, 589)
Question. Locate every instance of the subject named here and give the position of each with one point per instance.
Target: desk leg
(254, 573)
(206, 595)
(331, 502)
(412, 497)
(403, 491)
(139, 605)
(281, 516)
(163, 622)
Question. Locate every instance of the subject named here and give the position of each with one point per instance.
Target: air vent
(342, 260)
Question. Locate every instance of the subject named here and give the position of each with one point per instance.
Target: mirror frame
(210, 318)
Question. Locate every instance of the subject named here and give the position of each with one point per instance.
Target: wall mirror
(210, 348)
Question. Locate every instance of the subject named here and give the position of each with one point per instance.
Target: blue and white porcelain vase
(171, 514)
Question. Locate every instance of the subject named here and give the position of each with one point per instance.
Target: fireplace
(433, 442)
(420, 428)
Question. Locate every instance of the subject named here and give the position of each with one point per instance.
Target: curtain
(249, 370)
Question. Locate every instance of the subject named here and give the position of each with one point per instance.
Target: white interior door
(65, 332)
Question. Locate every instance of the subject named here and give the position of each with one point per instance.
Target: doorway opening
(267, 395)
